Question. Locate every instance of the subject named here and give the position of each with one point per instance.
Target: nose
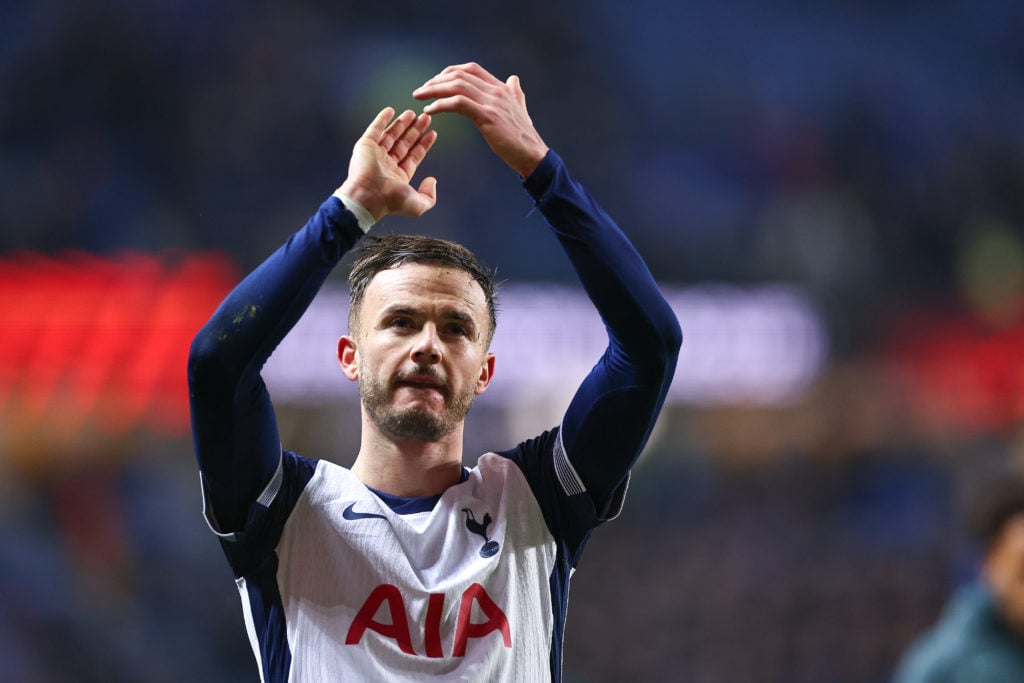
(426, 348)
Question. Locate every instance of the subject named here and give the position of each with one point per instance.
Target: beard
(412, 422)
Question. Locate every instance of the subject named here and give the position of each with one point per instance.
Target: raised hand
(496, 108)
(385, 159)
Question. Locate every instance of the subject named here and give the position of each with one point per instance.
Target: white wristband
(363, 216)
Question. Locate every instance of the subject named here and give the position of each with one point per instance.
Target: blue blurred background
(866, 156)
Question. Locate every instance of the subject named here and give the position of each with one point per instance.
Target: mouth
(421, 382)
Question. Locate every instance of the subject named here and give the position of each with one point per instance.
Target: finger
(417, 153)
(517, 89)
(428, 190)
(379, 123)
(396, 129)
(419, 202)
(458, 104)
(471, 68)
(445, 84)
(409, 138)
(461, 96)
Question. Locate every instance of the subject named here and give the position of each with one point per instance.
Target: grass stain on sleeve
(248, 312)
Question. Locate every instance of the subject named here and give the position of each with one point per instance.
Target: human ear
(486, 373)
(348, 357)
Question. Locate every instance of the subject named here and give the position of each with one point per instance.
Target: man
(980, 635)
(410, 565)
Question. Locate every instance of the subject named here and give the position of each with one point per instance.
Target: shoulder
(966, 644)
(319, 475)
(538, 470)
(929, 659)
(532, 454)
(498, 474)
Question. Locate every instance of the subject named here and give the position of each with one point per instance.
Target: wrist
(529, 164)
(364, 197)
(364, 217)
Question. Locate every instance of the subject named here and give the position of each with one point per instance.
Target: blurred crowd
(870, 153)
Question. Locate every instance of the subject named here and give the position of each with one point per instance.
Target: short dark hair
(994, 503)
(393, 251)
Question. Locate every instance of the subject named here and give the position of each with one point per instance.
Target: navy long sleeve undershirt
(604, 428)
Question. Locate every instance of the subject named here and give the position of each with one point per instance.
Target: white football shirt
(470, 585)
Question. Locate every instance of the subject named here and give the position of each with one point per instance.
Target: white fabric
(330, 566)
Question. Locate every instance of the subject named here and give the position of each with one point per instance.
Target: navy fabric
(234, 429)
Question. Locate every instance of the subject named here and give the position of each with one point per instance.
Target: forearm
(610, 418)
(640, 323)
(233, 425)
(260, 311)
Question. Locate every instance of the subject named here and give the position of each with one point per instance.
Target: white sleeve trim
(573, 485)
(566, 473)
(273, 486)
(267, 497)
(250, 624)
(364, 217)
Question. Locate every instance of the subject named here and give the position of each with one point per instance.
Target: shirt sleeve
(612, 413)
(233, 424)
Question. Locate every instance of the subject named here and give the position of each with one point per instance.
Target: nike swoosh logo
(351, 514)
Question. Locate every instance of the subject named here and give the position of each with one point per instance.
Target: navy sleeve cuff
(342, 219)
(539, 183)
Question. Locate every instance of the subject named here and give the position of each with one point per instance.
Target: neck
(408, 467)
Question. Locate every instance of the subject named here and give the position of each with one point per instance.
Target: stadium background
(832, 193)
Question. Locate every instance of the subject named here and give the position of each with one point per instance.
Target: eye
(400, 323)
(458, 330)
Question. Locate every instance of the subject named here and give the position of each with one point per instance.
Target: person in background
(979, 637)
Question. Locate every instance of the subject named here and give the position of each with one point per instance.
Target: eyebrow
(397, 309)
(456, 314)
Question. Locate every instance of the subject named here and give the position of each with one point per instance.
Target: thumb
(428, 192)
(517, 89)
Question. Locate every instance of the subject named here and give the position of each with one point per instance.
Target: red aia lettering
(496, 620)
(399, 626)
(432, 628)
(397, 629)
